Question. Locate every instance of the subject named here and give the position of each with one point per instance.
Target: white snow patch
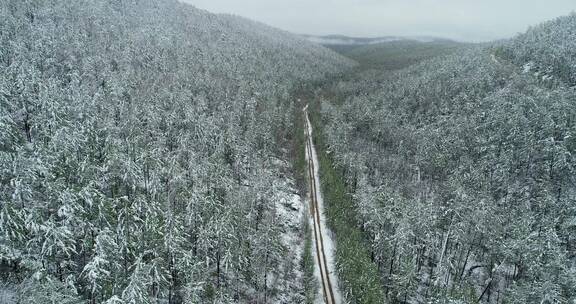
(528, 67)
(494, 58)
(288, 280)
(7, 294)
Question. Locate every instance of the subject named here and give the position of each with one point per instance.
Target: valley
(153, 152)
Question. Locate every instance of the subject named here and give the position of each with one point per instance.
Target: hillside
(141, 152)
(461, 170)
(548, 49)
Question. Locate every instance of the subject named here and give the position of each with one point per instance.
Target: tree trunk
(28, 128)
(391, 270)
(218, 267)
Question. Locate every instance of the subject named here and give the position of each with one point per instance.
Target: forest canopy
(138, 142)
(462, 169)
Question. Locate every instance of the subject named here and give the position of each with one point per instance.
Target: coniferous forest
(462, 170)
(153, 152)
(138, 151)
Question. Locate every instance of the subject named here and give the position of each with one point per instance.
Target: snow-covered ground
(288, 279)
(7, 294)
(328, 241)
(494, 58)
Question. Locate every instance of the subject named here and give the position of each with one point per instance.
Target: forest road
(323, 244)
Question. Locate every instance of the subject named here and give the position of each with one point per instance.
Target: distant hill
(394, 54)
(347, 40)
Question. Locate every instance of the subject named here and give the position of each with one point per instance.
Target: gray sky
(470, 20)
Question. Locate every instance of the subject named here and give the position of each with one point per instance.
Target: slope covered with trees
(548, 50)
(138, 143)
(462, 170)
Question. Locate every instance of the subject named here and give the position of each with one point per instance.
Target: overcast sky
(470, 20)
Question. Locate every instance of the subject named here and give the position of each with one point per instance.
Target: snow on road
(326, 242)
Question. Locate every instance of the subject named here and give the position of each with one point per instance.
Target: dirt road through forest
(323, 244)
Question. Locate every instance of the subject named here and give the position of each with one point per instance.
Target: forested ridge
(396, 54)
(462, 170)
(140, 144)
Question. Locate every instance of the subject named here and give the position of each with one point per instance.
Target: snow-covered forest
(140, 144)
(153, 152)
(462, 170)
